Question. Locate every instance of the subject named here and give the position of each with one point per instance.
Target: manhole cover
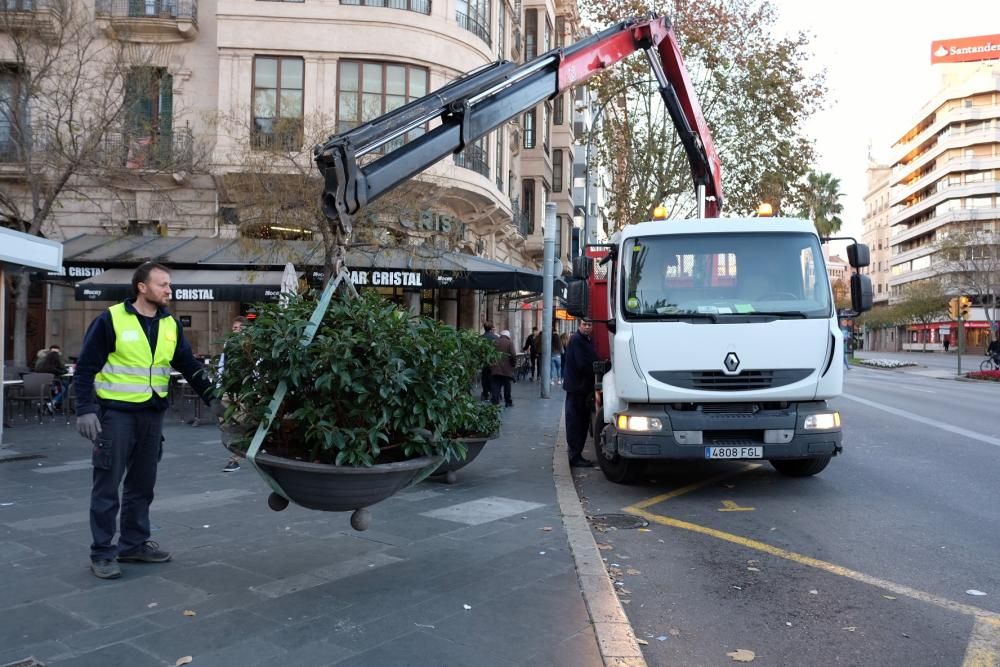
(617, 521)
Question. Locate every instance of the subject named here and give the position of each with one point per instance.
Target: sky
(876, 54)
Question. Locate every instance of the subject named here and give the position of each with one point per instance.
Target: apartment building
(944, 178)
(223, 82)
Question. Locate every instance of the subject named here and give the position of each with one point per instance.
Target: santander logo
(941, 52)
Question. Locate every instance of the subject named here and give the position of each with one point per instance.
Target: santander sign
(965, 49)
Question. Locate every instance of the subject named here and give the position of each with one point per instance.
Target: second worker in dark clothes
(578, 382)
(485, 376)
(122, 379)
(503, 370)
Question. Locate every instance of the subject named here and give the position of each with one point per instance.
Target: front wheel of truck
(618, 469)
(801, 467)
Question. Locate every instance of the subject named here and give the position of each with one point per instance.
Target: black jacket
(99, 342)
(52, 363)
(578, 365)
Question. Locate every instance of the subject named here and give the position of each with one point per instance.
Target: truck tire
(801, 467)
(617, 469)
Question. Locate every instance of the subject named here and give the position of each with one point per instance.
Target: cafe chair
(36, 391)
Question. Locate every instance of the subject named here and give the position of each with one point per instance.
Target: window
(502, 30)
(546, 126)
(499, 159)
(557, 170)
(366, 90)
(419, 6)
(474, 16)
(14, 121)
(529, 128)
(277, 102)
(979, 202)
(547, 43)
(557, 116)
(149, 123)
(560, 31)
(559, 233)
(528, 203)
(530, 34)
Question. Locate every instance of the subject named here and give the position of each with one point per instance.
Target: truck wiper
(680, 316)
(789, 314)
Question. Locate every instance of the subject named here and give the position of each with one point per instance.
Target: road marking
(957, 430)
(730, 506)
(656, 500)
(984, 645)
(892, 587)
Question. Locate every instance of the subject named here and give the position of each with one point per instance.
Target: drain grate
(617, 521)
(20, 457)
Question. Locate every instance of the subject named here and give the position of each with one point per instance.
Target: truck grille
(719, 381)
(733, 438)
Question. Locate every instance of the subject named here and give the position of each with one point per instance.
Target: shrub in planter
(374, 386)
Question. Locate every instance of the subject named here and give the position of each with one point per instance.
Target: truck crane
(718, 338)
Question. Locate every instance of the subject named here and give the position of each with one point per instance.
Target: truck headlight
(822, 421)
(639, 424)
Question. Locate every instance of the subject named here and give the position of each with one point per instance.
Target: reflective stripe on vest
(133, 372)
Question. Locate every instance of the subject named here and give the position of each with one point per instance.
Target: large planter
(330, 488)
(473, 445)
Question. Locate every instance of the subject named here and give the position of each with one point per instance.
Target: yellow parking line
(655, 500)
(984, 645)
(990, 618)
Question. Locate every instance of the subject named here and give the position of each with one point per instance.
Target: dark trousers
(578, 410)
(501, 383)
(536, 372)
(487, 381)
(130, 446)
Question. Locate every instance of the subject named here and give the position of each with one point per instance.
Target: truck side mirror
(858, 255)
(582, 267)
(861, 292)
(577, 298)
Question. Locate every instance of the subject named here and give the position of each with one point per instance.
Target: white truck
(719, 339)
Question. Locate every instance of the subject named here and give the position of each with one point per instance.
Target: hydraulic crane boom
(480, 101)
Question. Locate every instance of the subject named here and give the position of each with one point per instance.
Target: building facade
(226, 83)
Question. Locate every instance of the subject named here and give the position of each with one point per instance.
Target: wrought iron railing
(475, 26)
(154, 151)
(418, 6)
(521, 219)
(163, 9)
(474, 158)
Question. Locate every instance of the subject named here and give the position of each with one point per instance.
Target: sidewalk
(476, 573)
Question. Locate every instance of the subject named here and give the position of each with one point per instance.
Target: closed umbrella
(289, 284)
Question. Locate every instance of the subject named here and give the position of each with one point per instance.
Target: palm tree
(821, 196)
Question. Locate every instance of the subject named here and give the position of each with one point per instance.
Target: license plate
(734, 452)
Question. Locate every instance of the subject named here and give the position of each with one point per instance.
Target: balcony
(39, 15)
(166, 20)
(475, 26)
(474, 158)
(418, 6)
(154, 152)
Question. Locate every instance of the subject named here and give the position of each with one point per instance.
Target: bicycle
(991, 363)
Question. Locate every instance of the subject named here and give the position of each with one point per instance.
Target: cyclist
(993, 352)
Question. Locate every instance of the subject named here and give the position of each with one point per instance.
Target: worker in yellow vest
(121, 381)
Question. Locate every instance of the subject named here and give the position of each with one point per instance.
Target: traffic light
(964, 304)
(953, 308)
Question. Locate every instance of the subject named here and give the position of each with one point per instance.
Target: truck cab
(724, 344)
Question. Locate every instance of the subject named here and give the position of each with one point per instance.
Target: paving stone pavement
(297, 587)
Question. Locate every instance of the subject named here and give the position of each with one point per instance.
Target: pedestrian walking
(233, 464)
(529, 348)
(578, 381)
(485, 376)
(557, 354)
(122, 381)
(847, 347)
(503, 370)
(947, 343)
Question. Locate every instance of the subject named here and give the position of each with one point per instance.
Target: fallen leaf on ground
(645, 530)
(632, 571)
(973, 591)
(188, 612)
(547, 528)
(642, 641)
(186, 660)
(466, 607)
(814, 592)
(673, 632)
(849, 628)
(742, 655)
(754, 569)
(661, 638)
(889, 597)
(152, 604)
(604, 547)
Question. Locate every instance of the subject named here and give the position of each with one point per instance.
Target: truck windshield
(725, 276)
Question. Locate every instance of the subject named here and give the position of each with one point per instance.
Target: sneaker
(48, 408)
(105, 569)
(149, 552)
(231, 466)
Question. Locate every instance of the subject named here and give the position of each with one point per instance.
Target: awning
(188, 285)
(396, 268)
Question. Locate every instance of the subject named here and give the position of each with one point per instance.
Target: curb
(615, 637)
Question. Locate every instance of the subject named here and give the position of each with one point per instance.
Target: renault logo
(732, 362)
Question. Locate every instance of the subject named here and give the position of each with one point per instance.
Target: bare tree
(75, 116)
(925, 302)
(970, 264)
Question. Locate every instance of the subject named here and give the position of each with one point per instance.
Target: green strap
(342, 279)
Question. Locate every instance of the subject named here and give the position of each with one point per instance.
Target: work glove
(89, 426)
(217, 409)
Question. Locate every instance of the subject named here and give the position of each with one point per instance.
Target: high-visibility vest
(133, 372)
